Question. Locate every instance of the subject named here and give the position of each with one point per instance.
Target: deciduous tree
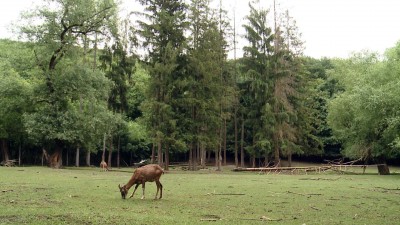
(57, 33)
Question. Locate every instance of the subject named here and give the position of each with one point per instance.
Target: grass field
(38, 195)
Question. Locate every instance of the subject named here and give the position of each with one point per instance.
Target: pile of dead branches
(339, 168)
(9, 163)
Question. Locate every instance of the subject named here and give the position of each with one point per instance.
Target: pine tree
(257, 84)
(163, 35)
(202, 94)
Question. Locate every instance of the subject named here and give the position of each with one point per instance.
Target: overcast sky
(331, 28)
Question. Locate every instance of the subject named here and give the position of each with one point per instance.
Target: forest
(79, 85)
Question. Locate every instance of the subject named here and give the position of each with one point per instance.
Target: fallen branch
(263, 218)
(276, 169)
(389, 189)
(319, 178)
(313, 207)
(9, 163)
(225, 194)
(208, 219)
(338, 168)
(291, 192)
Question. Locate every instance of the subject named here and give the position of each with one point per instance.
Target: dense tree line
(77, 85)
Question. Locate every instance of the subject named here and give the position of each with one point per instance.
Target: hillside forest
(79, 84)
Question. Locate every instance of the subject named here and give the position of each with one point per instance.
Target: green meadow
(40, 195)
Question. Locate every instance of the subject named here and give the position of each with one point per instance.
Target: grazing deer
(103, 166)
(147, 173)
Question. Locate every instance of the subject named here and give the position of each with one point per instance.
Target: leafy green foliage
(184, 94)
(16, 82)
(65, 90)
(14, 95)
(62, 23)
(365, 116)
(81, 95)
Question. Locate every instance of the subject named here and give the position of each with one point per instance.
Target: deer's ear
(119, 186)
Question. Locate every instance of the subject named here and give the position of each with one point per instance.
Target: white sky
(331, 28)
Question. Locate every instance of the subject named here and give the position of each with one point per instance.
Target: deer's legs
(143, 187)
(159, 187)
(137, 185)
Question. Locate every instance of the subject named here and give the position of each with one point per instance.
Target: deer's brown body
(103, 166)
(148, 173)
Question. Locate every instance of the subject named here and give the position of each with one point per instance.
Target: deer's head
(123, 191)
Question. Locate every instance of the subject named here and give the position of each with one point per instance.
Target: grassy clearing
(36, 195)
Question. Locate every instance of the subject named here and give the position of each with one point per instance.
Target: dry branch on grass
(319, 178)
(308, 195)
(389, 189)
(318, 169)
(208, 219)
(225, 194)
(315, 208)
(9, 163)
(289, 169)
(263, 218)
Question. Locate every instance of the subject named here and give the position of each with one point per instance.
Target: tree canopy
(365, 115)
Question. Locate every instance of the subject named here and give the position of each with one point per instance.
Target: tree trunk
(4, 149)
(236, 96)
(383, 169)
(55, 160)
(88, 157)
(44, 156)
(276, 108)
(220, 161)
(224, 142)
(218, 153)
(110, 152)
(159, 154)
(84, 48)
(198, 162)
(242, 144)
(266, 160)
(277, 160)
(153, 154)
(103, 156)
(67, 161)
(190, 157)
(77, 157)
(118, 146)
(203, 154)
(290, 159)
(236, 137)
(216, 157)
(19, 155)
(194, 151)
(95, 52)
(166, 164)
